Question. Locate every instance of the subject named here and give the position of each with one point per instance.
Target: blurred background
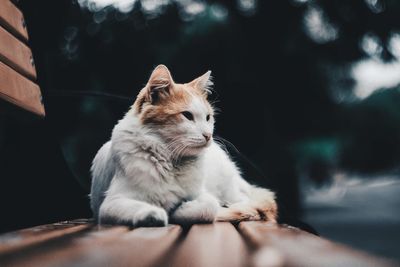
(308, 92)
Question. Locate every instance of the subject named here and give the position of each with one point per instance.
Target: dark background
(283, 80)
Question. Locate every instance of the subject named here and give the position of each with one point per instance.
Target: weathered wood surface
(12, 19)
(14, 241)
(81, 243)
(18, 90)
(288, 246)
(217, 244)
(16, 54)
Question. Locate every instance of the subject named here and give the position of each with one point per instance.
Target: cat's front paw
(154, 217)
(196, 211)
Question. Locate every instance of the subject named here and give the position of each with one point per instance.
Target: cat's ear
(203, 83)
(159, 84)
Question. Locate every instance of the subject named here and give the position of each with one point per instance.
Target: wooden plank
(20, 91)
(141, 247)
(22, 239)
(288, 246)
(107, 246)
(13, 20)
(66, 251)
(16, 54)
(217, 244)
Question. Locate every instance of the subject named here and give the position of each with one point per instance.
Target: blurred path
(362, 213)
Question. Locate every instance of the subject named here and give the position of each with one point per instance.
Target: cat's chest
(187, 173)
(167, 192)
(190, 179)
(155, 178)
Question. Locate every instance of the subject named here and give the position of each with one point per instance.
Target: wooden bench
(17, 69)
(82, 243)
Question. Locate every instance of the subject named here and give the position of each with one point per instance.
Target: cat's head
(179, 113)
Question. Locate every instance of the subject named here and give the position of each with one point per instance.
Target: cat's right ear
(159, 84)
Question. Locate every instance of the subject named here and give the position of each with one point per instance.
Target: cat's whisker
(221, 145)
(180, 152)
(173, 151)
(227, 141)
(177, 151)
(173, 145)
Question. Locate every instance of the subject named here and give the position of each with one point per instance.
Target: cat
(163, 166)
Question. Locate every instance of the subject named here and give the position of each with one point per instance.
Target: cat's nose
(207, 136)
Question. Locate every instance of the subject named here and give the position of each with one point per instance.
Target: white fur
(138, 178)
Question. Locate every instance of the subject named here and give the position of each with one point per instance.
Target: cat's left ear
(204, 82)
(159, 84)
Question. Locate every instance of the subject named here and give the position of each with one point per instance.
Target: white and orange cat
(162, 164)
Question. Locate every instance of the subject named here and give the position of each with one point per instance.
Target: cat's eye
(188, 115)
(208, 117)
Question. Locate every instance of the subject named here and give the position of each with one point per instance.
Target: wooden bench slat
(16, 54)
(290, 246)
(72, 251)
(13, 20)
(37, 230)
(18, 90)
(9, 247)
(217, 244)
(22, 239)
(141, 247)
(115, 246)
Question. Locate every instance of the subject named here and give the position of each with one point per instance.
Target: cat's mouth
(196, 147)
(189, 147)
(200, 144)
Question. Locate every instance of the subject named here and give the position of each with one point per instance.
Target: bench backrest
(17, 69)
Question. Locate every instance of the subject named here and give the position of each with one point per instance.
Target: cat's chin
(195, 150)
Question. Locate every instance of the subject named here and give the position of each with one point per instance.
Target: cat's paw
(196, 211)
(251, 211)
(142, 217)
(238, 212)
(152, 217)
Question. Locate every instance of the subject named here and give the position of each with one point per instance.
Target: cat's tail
(260, 206)
(263, 200)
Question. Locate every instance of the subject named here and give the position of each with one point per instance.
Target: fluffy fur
(162, 165)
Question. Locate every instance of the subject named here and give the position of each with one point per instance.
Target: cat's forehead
(195, 100)
(198, 105)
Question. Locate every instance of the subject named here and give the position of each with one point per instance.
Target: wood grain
(12, 19)
(21, 239)
(73, 250)
(16, 54)
(217, 244)
(142, 247)
(288, 246)
(80, 243)
(113, 246)
(20, 91)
